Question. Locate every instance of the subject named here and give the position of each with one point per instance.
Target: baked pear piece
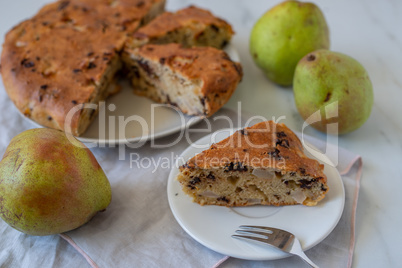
(67, 55)
(197, 80)
(191, 26)
(260, 165)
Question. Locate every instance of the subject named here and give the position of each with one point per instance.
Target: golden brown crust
(193, 18)
(264, 145)
(218, 74)
(260, 165)
(57, 59)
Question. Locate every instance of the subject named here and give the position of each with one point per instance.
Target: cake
(259, 165)
(67, 55)
(191, 26)
(197, 80)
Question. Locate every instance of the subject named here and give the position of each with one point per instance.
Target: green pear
(337, 86)
(283, 35)
(50, 183)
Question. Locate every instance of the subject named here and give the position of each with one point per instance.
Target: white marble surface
(367, 30)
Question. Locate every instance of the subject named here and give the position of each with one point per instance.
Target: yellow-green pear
(335, 88)
(50, 183)
(283, 35)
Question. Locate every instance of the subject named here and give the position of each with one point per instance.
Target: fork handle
(306, 259)
(297, 250)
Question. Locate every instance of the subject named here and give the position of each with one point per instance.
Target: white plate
(212, 226)
(149, 119)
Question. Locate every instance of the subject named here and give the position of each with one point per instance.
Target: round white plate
(128, 118)
(212, 226)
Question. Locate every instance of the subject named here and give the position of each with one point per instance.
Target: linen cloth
(138, 228)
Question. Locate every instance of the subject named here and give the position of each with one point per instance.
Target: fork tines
(267, 235)
(256, 233)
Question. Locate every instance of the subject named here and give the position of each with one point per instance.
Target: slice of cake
(260, 165)
(198, 80)
(67, 55)
(191, 26)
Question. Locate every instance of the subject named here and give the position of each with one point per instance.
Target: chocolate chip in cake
(281, 134)
(74, 102)
(44, 87)
(77, 70)
(243, 132)
(323, 188)
(302, 171)
(215, 28)
(90, 54)
(223, 198)
(186, 165)
(240, 167)
(229, 167)
(211, 176)
(306, 184)
(235, 167)
(195, 181)
(63, 5)
(202, 100)
(275, 153)
(283, 143)
(49, 118)
(27, 64)
(224, 43)
(144, 65)
(162, 60)
(91, 65)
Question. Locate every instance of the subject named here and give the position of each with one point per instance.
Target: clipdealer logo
(119, 124)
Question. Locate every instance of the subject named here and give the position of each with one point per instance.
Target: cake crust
(263, 164)
(267, 140)
(194, 23)
(66, 54)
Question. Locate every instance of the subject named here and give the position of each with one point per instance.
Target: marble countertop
(369, 31)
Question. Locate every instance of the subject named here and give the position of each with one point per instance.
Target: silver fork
(278, 238)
